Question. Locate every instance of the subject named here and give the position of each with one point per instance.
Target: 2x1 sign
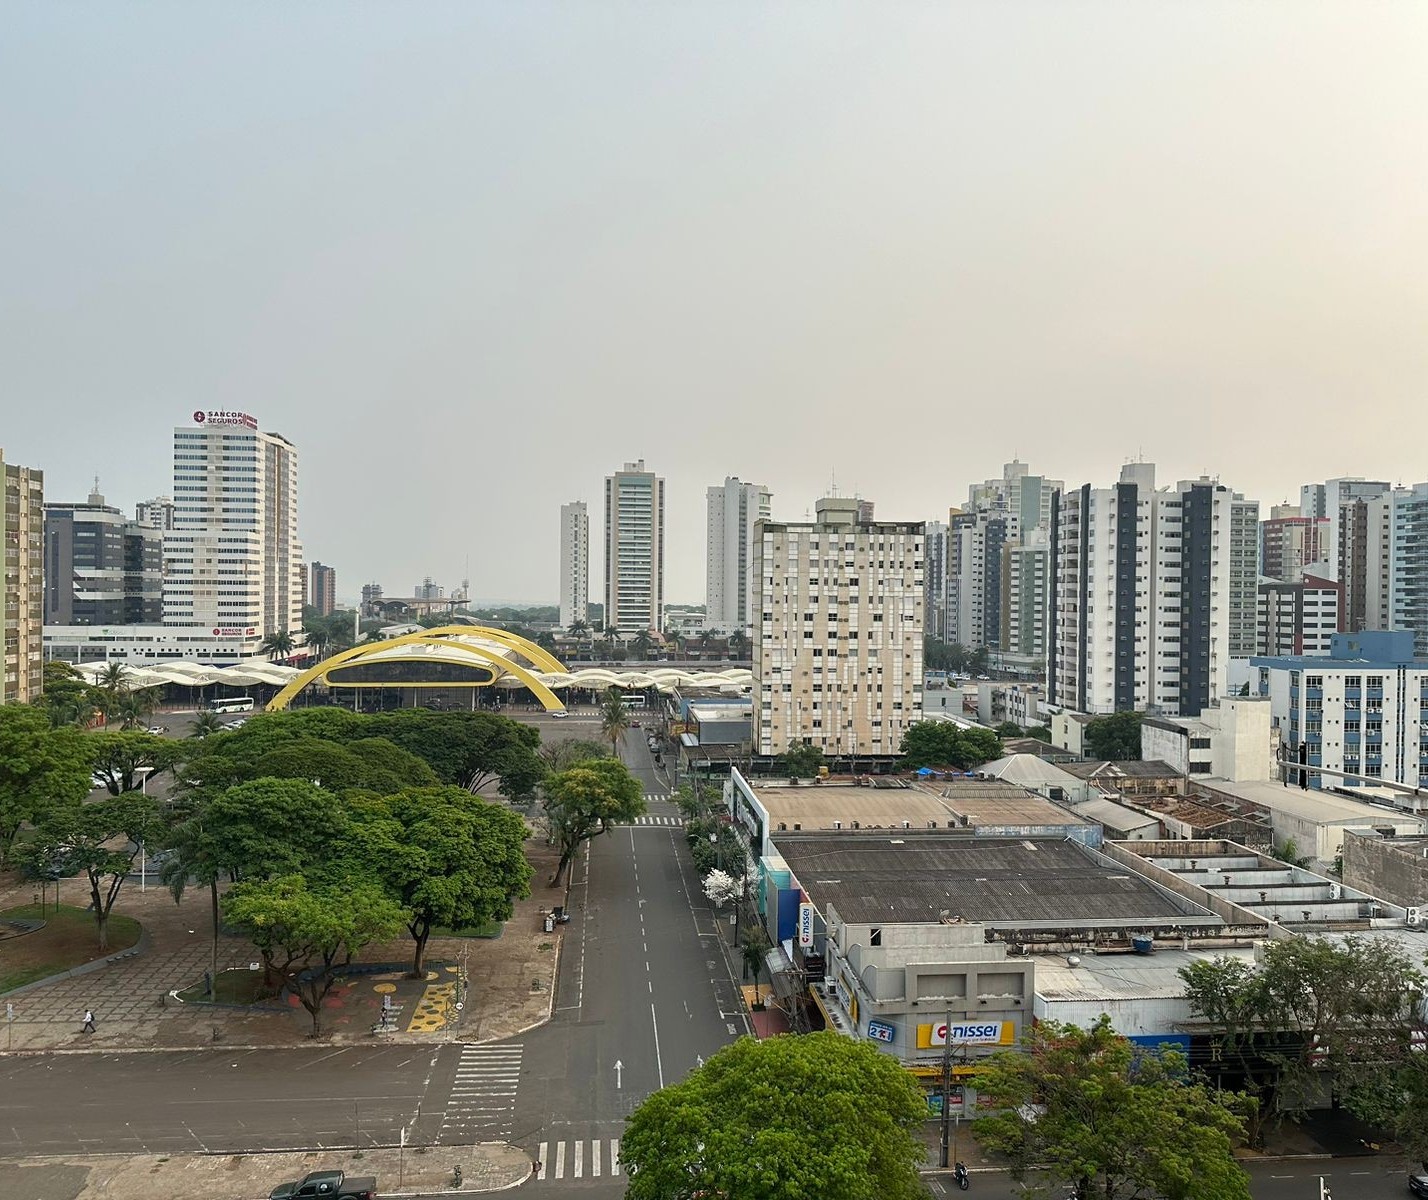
(881, 1031)
(805, 924)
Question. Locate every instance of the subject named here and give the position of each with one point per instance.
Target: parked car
(1418, 1185)
(332, 1184)
(157, 730)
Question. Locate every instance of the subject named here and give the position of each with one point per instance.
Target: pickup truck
(332, 1184)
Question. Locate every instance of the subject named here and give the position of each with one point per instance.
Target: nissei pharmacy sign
(988, 1033)
(223, 416)
(805, 924)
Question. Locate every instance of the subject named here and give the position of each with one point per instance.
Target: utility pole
(946, 1085)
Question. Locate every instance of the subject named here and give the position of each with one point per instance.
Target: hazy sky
(472, 257)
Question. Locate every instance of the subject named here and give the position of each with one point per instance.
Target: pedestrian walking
(88, 1021)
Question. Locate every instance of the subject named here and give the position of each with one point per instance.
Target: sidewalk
(488, 1167)
(510, 983)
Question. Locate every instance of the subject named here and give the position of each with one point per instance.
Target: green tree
(448, 859)
(756, 946)
(193, 856)
(110, 684)
(1009, 729)
(614, 718)
(1093, 1111)
(120, 757)
(641, 644)
(135, 707)
(783, 1119)
(1041, 733)
(310, 935)
(42, 770)
(943, 745)
(270, 827)
(278, 644)
(557, 756)
(1115, 737)
(99, 841)
(66, 696)
(583, 801)
(468, 749)
(801, 761)
(206, 724)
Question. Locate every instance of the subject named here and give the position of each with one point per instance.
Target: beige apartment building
(23, 527)
(838, 652)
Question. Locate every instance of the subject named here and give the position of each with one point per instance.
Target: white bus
(233, 704)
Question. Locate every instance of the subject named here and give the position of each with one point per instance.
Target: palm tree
(579, 628)
(739, 643)
(205, 724)
(614, 718)
(317, 638)
(111, 685)
(277, 645)
(642, 643)
(756, 945)
(135, 706)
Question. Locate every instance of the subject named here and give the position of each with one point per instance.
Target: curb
(138, 948)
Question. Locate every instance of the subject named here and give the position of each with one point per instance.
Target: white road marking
(540, 1155)
(560, 1160)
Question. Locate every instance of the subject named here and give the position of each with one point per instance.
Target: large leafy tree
(67, 697)
(782, 1119)
(1115, 736)
(99, 841)
(43, 771)
(1110, 1119)
(271, 827)
(468, 749)
(941, 744)
(120, 757)
(799, 760)
(449, 858)
(585, 800)
(309, 935)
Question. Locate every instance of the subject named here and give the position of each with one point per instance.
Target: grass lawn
(238, 986)
(68, 939)
(491, 929)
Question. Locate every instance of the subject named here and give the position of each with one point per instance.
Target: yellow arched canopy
(463, 639)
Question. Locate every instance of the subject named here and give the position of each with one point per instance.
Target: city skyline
(895, 247)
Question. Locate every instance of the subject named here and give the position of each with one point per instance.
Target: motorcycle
(959, 1173)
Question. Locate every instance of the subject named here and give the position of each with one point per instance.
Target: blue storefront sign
(881, 1031)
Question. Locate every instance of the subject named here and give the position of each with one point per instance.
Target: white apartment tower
(837, 658)
(1026, 568)
(1329, 499)
(574, 563)
(233, 560)
(1397, 552)
(1146, 595)
(22, 590)
(730, 593)
(1019, 493)
(634, 549)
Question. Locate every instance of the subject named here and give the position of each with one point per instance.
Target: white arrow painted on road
(619, 1066)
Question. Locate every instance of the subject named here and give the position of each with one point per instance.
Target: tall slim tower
(322, 580)
(634, 549)
(232, 561)
(730, 592)
(22, 581)
(574, 563)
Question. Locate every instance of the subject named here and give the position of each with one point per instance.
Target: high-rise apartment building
(937, 546)
(1397, 552)
(1025, 590)
(371, 599)
(1018, 493)
(22, 526)
(1328, 500)
(574, 564)
(838, 653)
(1244, 576)
(1298, 618)
(1289, 544)
(634, 549)
(232, 559)
(322, 584)
(731, 589)
(974, 573)
(1142, 591)
(101, 568)
(157, 513)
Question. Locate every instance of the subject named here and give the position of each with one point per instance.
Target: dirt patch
(69, 939)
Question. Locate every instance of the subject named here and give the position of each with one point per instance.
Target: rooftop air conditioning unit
(1415, 916)
(1335, 891)
(907, 824)
(837, 824)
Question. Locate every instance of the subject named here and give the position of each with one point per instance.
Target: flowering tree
(723, 888)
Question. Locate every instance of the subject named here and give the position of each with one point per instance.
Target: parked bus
(233, 704)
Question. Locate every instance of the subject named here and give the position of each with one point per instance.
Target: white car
(558, 713)
(156, 730)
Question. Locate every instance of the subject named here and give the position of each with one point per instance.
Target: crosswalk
(483, 1095)
(585, 1159)
(659, 820)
